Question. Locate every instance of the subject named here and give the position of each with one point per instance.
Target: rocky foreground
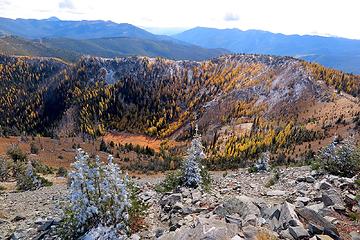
(301, 204)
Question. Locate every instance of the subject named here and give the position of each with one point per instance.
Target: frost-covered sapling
(341, 158)
(263, 162)
(99, 201)
(191, 172)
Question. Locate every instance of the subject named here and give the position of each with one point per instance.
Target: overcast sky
(320, 17)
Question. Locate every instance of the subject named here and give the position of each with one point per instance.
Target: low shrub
(41, 168)
(34, 149)
(16, 154)
(274, 179)
(171, 182)
(5, 169)
(62, 172)
(28, 180)
(138, 208)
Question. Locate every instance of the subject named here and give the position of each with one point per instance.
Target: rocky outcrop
(237, 207)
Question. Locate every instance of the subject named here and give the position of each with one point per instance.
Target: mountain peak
(53, 19)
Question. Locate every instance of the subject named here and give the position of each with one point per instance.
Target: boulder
(331, 197)
(301, 179)
(288, 216)
(325, 185)
(241, 205)
(317, 223)
(310, 179)
(170, 199)
(298, 232)
(205, 228)
(285, 234)
(304, 200)
(316, 207)
(196, 196)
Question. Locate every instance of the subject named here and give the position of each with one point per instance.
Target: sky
(316, 17)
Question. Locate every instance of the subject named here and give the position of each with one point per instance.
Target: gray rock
(316, 207)
(355, 235)
(17, 235)
(301, 179)
(159, 232)
(178, 206)
(3, 221)
(304, 200)
(45, 225)
(174, 223)
(319, 223)
(324, 185)
(298, 232)
(331, 197)
(310, 179)
(323, 237)
(135, 237)
(170, 200)
(314, 229)
(285, 234)
(237, 237)
(350, 200)
(18, 218)
(251, 219)
(241, 205)
(196, 196)
(288, 216)
(233, 219)
(273, 193)
(205, 228)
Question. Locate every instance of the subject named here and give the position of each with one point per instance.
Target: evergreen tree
(263, 162)
(99, 201)
(341, 158)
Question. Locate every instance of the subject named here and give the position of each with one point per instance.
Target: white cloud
(326, 17)
(66, 4)
(231, 17)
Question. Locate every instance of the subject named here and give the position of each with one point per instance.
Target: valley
(148, 116)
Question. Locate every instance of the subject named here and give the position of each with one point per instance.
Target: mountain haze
(334, 52)
(55, 28)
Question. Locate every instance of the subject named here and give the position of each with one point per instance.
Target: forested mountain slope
(72, 49)
(243, 104)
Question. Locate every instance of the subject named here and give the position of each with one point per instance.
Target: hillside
(244, 103)
(72, 49)
(340, 53)
(11, 45)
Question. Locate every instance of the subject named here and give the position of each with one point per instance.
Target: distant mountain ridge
(71, 39)
(55, 28)
(340, 53)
